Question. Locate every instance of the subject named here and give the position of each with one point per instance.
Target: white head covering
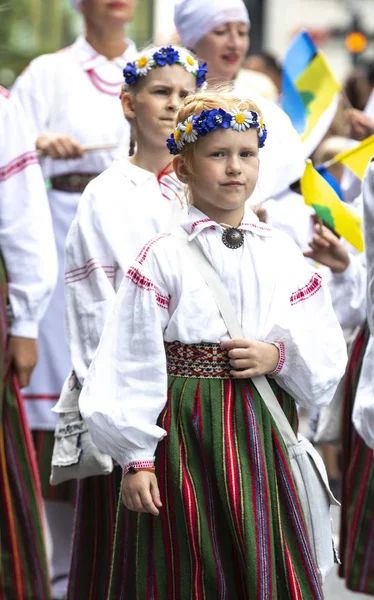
(195, 18)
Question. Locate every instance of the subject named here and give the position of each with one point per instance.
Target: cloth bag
(75, 456)
(308, 469)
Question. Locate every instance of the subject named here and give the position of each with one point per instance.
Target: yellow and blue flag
(322, 197)
(310, 91)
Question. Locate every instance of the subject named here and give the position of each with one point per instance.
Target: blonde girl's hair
(219, 97)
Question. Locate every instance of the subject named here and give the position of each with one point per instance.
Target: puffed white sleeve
(90, 279)
(26, 233)
(126, 386)
(363, 411)
(312, 349)
(348, 293)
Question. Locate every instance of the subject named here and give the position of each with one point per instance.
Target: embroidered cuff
(138, 464)
(282, 358)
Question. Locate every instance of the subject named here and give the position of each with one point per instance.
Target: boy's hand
(21, 354)
(140, 492)
(328, 250)
(251, 358)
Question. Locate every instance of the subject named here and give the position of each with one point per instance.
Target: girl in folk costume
(219, 33)
(71, 99)
(28, 270)
(357, 524)
(120, 210)
(169, 396)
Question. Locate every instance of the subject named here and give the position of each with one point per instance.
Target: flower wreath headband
(160, 58)
(211, 120)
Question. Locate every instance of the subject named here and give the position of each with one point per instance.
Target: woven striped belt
(205, 361)
(72, 183)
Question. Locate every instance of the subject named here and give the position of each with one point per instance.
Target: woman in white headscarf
(72, 102)
(218, 33)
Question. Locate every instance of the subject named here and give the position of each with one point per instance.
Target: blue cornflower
(166, 56)
(201, 75)
(130, 74)
(172, 145)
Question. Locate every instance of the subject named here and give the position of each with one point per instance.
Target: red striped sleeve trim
(311, 288)
(146, 284)
(18, 164)
(143, 253)
(282, 358)
(84, 272)
(4, 92)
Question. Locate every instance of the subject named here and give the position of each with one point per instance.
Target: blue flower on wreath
(172, 145)
(130, 74)
(210, 120)
(166, 56)
(201, 75)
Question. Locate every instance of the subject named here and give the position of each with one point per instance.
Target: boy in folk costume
(169, 396)
(120, 210)
(28, 270)
(71, 99)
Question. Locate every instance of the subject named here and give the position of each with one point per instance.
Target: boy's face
(225, 167)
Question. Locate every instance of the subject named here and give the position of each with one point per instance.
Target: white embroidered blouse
(276, 296)
(118, 212)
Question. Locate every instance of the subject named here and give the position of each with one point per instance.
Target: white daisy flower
(190, 64)
(188, 132)
(179, 137)
(144, 64)
(241, 120)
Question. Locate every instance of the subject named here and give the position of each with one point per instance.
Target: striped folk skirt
(231, 525)
(23, 562)
(357, 518)
(95, 519)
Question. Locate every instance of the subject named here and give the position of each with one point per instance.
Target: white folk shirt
(26, 238)
(276, 297)
(74, 92)
(119, 211)
(363, 412)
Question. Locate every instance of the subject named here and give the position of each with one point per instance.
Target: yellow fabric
(320, 195)
(318, 87)
(358, 158)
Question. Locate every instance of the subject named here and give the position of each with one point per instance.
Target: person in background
(71, 102)
(266, 63)
(28, 272)
(133, 200)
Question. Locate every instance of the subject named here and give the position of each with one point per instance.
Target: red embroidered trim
(258, 226)
(18, 164)
(143, 253)
(41, 396)
(139, 464)
(311, 288)
(282, 358)
(194, 225)
(83, 272)
(146, 284)
(4, 92)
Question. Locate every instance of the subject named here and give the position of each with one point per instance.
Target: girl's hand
(140, 492)
(251, 357)
(328, 250)
(59, 146)
(22, 355)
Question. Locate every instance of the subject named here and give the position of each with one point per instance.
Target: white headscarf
(195, 18)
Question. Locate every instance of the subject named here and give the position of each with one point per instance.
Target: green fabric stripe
(189, 415)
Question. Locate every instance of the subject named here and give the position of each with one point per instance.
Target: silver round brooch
(233, 238)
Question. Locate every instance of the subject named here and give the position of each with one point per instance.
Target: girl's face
(225, 171)
(224, 49)
(153, 107)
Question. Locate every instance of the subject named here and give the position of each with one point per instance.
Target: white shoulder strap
(226, 309)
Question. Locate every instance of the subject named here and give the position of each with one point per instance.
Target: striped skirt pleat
(23, 562)
(231, 525)
(93, 538)
(357, 517)
(43, 444)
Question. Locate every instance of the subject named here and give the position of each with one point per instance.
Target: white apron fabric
(75, 92)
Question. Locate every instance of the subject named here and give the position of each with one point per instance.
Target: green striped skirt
(23, 562)
(231, 525)
(357, 518)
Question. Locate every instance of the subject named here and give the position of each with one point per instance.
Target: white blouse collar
(198, 221)
(90, 59)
